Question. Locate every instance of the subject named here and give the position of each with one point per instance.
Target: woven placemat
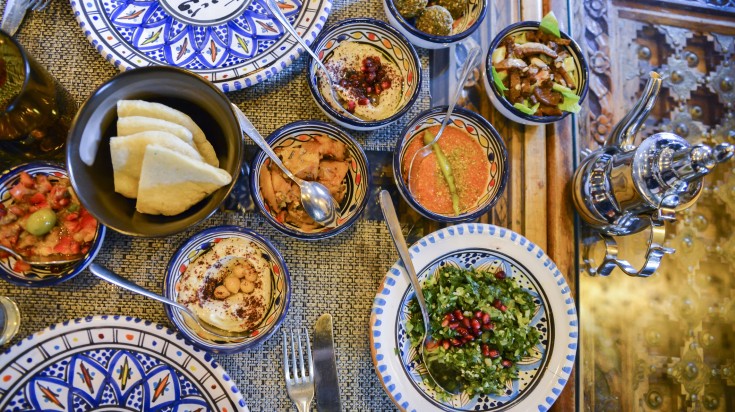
(339, 275)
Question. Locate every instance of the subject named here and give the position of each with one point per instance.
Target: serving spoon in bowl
(467, 66)
(315, 197)
(273, 6)
(112, 277)
(445, 379)
(52, 260)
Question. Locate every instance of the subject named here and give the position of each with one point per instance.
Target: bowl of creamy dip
(377, 70)
(232, 278)
(477, 162)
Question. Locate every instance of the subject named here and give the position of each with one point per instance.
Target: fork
(38, 5)
(299, 385)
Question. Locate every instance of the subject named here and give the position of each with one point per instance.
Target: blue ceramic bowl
(358, 177)
(390, 44)
(281, 287)
(463, 27)
(51, 275)
(479, 130)
(503, 105)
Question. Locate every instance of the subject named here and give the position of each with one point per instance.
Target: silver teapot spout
(623, 189)
(624, 132)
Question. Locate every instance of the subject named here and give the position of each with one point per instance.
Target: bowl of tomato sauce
(41, 219)
(463, 175)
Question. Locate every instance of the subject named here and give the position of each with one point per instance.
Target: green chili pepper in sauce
(445, 168)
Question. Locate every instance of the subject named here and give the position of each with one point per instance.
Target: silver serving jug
(622, 189)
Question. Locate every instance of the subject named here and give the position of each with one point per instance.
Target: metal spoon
(112, 277)
(445, 379)
(315, 197)
(467, 66)
(273, 6)
(52, 260)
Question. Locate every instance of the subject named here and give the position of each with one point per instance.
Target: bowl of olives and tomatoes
(42, 219)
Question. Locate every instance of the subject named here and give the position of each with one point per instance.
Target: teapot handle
(655, 252)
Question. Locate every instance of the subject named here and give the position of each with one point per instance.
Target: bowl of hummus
(377, 71)
(233, 279)
(462, 177)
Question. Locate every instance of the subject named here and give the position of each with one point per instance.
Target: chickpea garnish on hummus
(229, 286)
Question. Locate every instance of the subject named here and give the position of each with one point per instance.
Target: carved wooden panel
(666, 343)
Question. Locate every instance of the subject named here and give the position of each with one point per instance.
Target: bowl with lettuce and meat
(535, 73)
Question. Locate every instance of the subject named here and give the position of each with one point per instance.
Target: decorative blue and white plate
(234, 44)
(113, 363)
(542, 374)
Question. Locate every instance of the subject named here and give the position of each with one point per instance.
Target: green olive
(41, 222)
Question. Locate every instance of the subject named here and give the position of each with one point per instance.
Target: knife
(325, 366)
(13, 15)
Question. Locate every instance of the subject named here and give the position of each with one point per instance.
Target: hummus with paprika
(229, 286)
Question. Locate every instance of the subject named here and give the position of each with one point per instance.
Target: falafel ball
(457, 7)
(410, 8)
(435, 20)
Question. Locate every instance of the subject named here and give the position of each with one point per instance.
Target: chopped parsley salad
(481, 326)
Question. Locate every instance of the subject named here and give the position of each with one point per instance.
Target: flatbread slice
(127, 157)
(161, 111)
(136, 124)
(171, 183)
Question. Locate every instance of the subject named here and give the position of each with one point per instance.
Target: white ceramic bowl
(462, 28)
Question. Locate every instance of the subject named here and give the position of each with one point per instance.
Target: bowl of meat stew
(42, 219)
(315, 151)
(533, 76)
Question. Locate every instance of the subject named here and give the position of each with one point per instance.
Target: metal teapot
(622, 189)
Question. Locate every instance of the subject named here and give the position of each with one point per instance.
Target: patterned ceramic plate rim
(106, 39)
(281, 290)
(499, 241)
(62, 340)
(43, 276)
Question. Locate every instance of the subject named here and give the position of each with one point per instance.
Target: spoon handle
(253, 133)
(394, 227)
(110, 276)
(468, 65)
(273, 6)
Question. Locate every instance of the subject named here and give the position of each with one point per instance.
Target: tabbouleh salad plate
(542, 371)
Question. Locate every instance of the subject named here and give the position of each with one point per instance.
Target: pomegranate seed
(488, 326)
(351, 106)
(478, 314)
(378, 89)
(369, 89)
(503, 308)
(363, 101)
(462, 331)
(475, 324)
(468, 338)
(458, 315)
(497, 303)
(385, 84)
(466, 323)
(494, 353)
(485, 350)
(500, 275)
(431, 345)
(445, 323)
(485, 318)
(477, 332)
(445, 344)
(455, 342)
(449, 317)
(506, 363)
(453, 325)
